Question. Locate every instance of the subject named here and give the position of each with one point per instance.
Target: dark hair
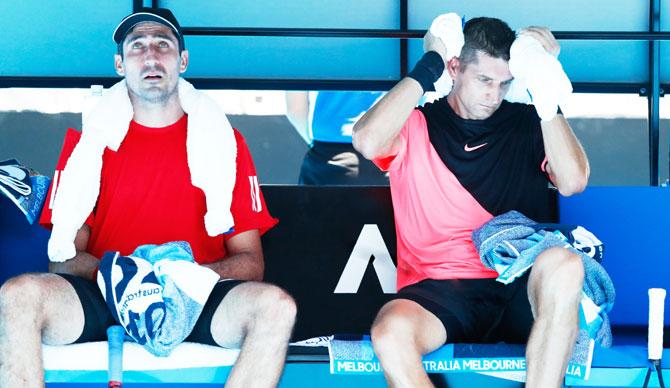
(491, 36)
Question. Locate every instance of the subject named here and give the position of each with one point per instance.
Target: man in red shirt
(146, 197)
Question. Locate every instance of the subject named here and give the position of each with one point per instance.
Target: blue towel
(510, 243)
(24, 188)
(156, 294)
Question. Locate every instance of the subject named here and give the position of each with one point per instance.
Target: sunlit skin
(151, 63)
(479, 89)
(403, 330)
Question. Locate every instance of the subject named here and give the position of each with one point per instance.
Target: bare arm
(244, 259)
(83, 263)
(297, 111)
(567, 165)
(376, 133)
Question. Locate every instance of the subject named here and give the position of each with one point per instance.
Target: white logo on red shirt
(255, 194)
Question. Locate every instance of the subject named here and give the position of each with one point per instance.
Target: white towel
(541, 73)
(211, 150)
(518, 92)
(448, 28)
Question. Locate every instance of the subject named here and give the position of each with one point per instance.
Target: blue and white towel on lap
(511, 242)
(157, 293)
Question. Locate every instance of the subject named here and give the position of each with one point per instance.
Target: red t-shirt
(146, 195)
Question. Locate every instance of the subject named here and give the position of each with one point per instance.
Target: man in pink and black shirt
(455, 164)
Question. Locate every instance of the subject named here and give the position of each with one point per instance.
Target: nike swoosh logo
(470, 149)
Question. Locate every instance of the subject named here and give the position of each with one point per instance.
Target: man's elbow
(257, 272)
(363, 144)
(360, 145)
(574, 185)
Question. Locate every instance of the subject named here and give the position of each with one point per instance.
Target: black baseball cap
(157, 15)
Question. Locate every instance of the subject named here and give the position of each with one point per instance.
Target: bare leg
(35, 308)
(554, 291)
(402, 332)
(260, 317)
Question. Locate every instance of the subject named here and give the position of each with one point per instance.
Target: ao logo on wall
(370, 243)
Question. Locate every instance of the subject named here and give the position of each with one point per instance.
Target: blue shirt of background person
(333, 114)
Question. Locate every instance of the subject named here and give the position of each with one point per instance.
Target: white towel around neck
(211, 150)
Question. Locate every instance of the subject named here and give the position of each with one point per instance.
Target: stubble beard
(154, 95)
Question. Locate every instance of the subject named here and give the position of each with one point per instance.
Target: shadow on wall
(617, 148)
(35, 138)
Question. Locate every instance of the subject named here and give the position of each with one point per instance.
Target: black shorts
(328, 163)
(97, 317)
(476, 310)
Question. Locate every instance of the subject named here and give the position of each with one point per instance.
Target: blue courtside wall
(565, 15)
(665, 46)
(72, 37)
(287, 14)
(23, 247)
(291, 57)
(584, 61)
(633, 223)
(59, 38)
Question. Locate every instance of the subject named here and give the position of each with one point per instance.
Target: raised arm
(376, 133)
(567, 164)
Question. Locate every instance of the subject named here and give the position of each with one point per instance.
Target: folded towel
(511, 242)
(448, 28)
(211, 150)
(157, 293)
(518, 92)
(25, 188)
(541, 73)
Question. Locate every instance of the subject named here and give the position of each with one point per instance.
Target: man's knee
(23, 292)
(275, 306)
(391, 330)
(559, 270)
